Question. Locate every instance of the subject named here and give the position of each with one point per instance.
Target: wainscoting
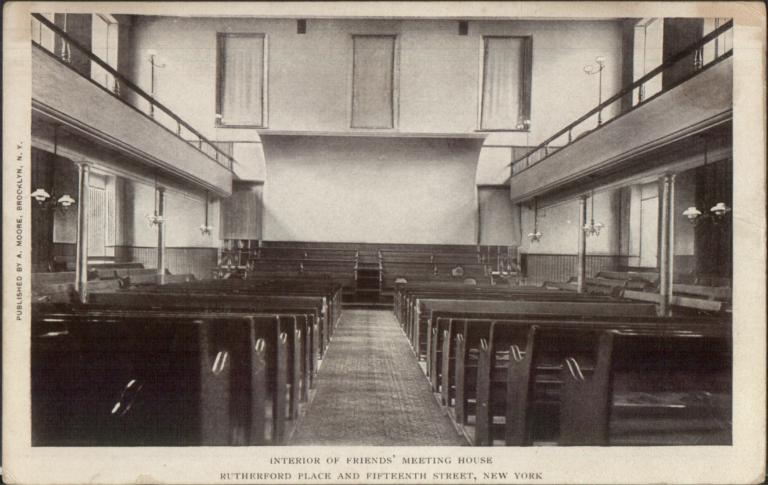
(562, 267)
(196, 261)
(64, 249)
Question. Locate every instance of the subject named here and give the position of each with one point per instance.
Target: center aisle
(371, 390)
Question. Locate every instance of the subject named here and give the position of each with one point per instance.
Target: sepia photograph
(384, 242)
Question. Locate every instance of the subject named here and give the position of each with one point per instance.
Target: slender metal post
(600, 95)
(671, 238)
(665, 285)
(81, 258)
(582, 255)
(152, 85)
(161, 236)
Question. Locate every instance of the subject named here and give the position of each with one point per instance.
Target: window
(43, 36)
(104, 46)
(241, 84)
(506, 96)
(648, 54)
(722, 44)
(373, 81)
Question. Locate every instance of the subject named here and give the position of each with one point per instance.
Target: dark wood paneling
(679, 33)
(435, 248)
(42, 220)
(241, 213)
(713, 238)
(562, 267)
(64, 249)
(80, 28)
(627, 57)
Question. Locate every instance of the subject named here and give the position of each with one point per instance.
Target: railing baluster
(698, 58)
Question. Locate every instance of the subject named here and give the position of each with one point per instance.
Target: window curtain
(505, 83)
(372, 83)
(242, 80)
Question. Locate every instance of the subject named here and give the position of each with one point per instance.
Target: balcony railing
(709, 50)
(60, 45)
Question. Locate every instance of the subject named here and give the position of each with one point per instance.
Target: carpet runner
(371, 391)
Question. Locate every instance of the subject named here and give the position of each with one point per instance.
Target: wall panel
(371, 189)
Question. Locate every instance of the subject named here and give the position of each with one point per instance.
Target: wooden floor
(371, 390)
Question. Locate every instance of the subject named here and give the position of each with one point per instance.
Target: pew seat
(157, 379)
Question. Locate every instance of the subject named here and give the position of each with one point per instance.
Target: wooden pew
(305, 253)
(65, 292)
(405, 293)
(156, 378)
(507, 389)
(694, 303)
(632, 280)
(304, 317)
(135, 280)
(642, 378)
(59, 287)
(108, 272)
(719, 293)
(331, 292)
(426, 310)
(315, 305)
(473, 320)
(409, 306)
(426, 271)
(408, 294)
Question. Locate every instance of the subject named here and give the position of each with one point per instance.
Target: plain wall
(366, 189)
(559, 225)
(184, 214)
(438, 75)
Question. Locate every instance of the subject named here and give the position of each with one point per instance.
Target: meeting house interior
(394, 231)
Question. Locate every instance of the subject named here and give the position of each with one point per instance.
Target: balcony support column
(581, 268)
(161, 236)
(666, 243)
(81, 241)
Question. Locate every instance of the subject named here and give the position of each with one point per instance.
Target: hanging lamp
(206, 229)
(536, 235)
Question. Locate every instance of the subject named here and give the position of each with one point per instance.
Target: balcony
(99, 121)
(621, 145)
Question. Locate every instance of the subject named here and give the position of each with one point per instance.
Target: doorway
(101, 219)
(649, 226)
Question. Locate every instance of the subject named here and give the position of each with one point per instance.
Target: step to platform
(362, 305)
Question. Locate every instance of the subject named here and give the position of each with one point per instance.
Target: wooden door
(100, 216)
